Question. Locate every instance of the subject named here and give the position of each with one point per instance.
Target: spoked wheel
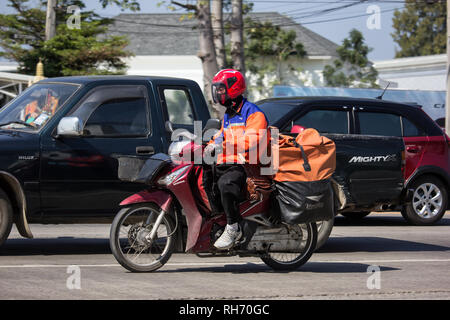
(142, 239)
(305, 236)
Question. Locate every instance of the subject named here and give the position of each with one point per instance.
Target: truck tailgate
(369, 168)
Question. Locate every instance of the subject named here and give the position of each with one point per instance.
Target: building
(167, 44)
(414, 73)
(11, 83)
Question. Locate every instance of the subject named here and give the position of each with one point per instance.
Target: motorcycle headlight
(171, 177)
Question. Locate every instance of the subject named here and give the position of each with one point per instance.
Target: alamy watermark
(374, 280)
(254, 147)
(74, 21)
(373, 22)
(73, 282)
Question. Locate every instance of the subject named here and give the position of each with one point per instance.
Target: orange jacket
(244, 136)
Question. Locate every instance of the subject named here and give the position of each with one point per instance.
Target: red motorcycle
(150, 223)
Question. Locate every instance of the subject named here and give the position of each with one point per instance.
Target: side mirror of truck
(168, 126)
(69, 127)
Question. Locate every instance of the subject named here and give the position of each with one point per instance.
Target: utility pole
(447, 97)
(50, 21)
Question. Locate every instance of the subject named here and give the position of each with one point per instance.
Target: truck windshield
(34, 107)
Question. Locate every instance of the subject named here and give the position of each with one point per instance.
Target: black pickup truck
(59, 142)
(61, 138)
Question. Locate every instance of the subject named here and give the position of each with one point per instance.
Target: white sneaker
(230, 235)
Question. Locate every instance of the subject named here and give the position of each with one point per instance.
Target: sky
(332, 19)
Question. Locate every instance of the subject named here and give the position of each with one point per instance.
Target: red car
(427, 169)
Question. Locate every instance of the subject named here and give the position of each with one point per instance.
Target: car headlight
(171, 177)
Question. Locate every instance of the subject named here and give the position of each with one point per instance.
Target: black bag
(304, 201)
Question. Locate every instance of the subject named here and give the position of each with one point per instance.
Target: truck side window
(117, 110)
(410, 129)
(179, 106)
(379, 124)
(325, 121)
(123, 117)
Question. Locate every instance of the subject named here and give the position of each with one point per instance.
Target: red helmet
(227, 85)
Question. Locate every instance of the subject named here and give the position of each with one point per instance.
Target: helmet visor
(219, 93)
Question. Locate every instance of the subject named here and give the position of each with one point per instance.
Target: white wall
(188, 67)
(415, 73)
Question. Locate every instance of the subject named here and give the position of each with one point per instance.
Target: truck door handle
(412, 149)
(145, 150)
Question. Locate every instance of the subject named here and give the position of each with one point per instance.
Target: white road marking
(176, 264)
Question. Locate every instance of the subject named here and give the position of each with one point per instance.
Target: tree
(207, 50)
(237, 41)
(352, 68)
(420, 28)
(211, 28)
(77, 51)
(267, 51)
(218, 32)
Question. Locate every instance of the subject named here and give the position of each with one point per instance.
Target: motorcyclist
(243, 128)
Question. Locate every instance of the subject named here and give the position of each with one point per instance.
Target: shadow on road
(384, 221)
(56, 246)
(376, 244)
(319, 267)
(83, 246)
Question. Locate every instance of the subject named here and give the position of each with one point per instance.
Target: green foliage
(267, 50)
(80, 51)
(123, 4)
(420, 28)
(352, 68)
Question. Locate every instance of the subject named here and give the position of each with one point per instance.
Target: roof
(166, 34)
(15, 77)
(338, 100)
(90, 79)
(431, 61)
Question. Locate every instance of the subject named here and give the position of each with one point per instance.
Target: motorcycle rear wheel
(291, 261)
(129, 238)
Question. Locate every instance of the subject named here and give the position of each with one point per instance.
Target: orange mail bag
(303, 169)
(308, 150)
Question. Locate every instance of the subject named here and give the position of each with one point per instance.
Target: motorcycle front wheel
(137, 243)
(307, 241)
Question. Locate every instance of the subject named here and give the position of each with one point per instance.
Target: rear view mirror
(69, 127)
(168, 126)
(212, 124)
(210, 129)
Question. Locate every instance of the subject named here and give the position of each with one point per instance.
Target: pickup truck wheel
(429, 202)
(324, 229)
(355, 215)
(6, 217)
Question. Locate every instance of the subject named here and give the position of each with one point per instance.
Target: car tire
(6, 217)
(429, 201)
(324, 229)
(355, 216)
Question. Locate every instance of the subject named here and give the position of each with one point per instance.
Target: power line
(262, 27)
(278, 21)
(350, 17)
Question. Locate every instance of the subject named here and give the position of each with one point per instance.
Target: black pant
(231, 180)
